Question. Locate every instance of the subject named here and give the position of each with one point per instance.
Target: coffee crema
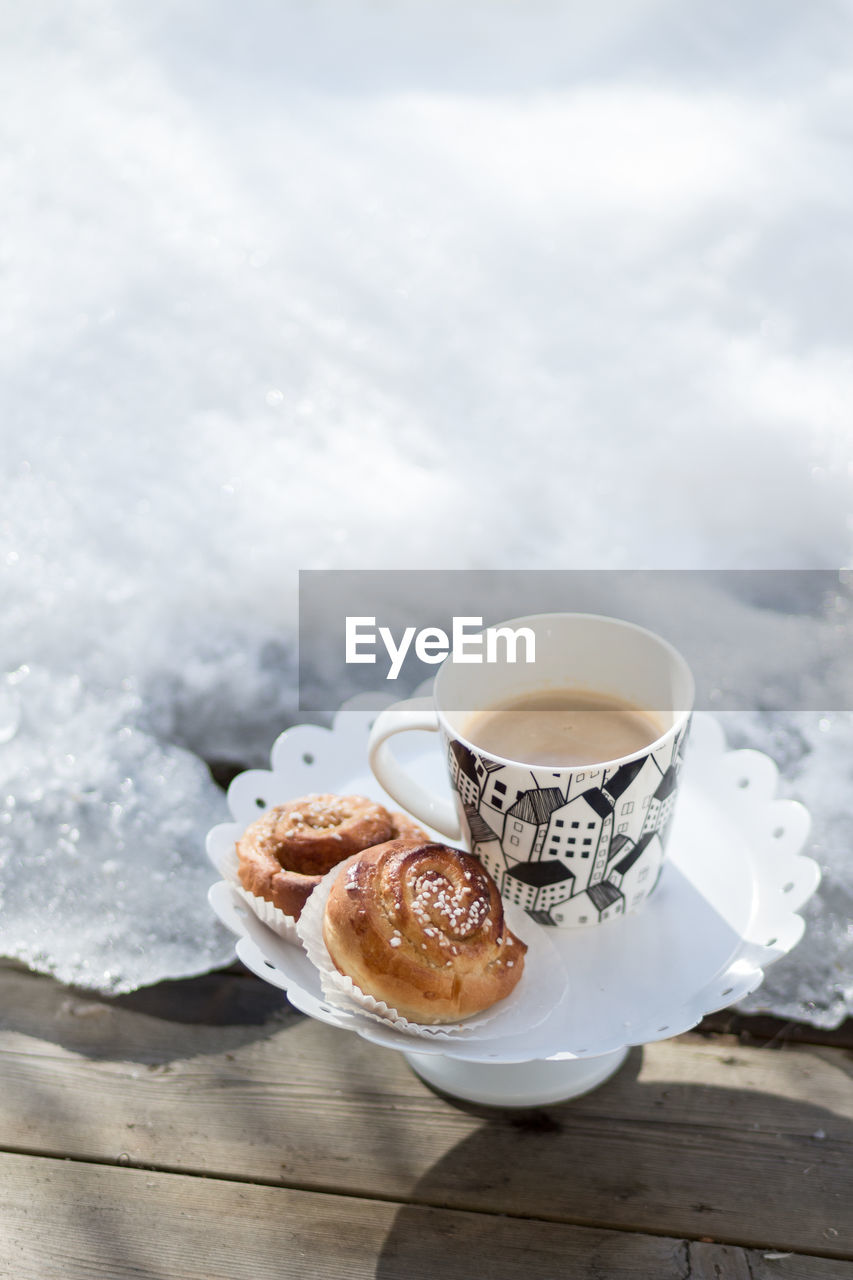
(562, 727)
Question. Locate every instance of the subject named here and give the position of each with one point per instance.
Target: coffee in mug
(562, 727)
(571, 818)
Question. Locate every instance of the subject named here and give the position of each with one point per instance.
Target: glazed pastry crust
(285, 853)
(421, 926)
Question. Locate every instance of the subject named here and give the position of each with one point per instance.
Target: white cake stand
(725, 907)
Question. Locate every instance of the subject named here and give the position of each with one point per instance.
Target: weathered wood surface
(63, 1219)
(694, 1138)
(760, 1028)
(139, 1223)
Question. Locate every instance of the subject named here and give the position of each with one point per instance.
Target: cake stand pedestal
(725, 907)
(515, 1084)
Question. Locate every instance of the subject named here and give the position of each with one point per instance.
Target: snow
(398, 285)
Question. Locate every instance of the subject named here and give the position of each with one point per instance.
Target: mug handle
(416, 713)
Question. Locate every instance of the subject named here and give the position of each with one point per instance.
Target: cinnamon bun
(421, 927)
(285, 853)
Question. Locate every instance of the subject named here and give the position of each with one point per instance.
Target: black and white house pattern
(571, 848)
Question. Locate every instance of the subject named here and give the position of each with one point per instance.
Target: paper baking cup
(514, 1010)
(273, 917)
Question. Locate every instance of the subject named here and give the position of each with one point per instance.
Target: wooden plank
(35, 1005)
(65, 1220)
(706, 1261)
(69, 1220)
(693, 1138)
(763, 1029)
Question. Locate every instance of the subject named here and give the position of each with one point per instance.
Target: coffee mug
(574, 845)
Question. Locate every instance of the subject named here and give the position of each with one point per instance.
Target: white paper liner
(541, 986)
(273, 917)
